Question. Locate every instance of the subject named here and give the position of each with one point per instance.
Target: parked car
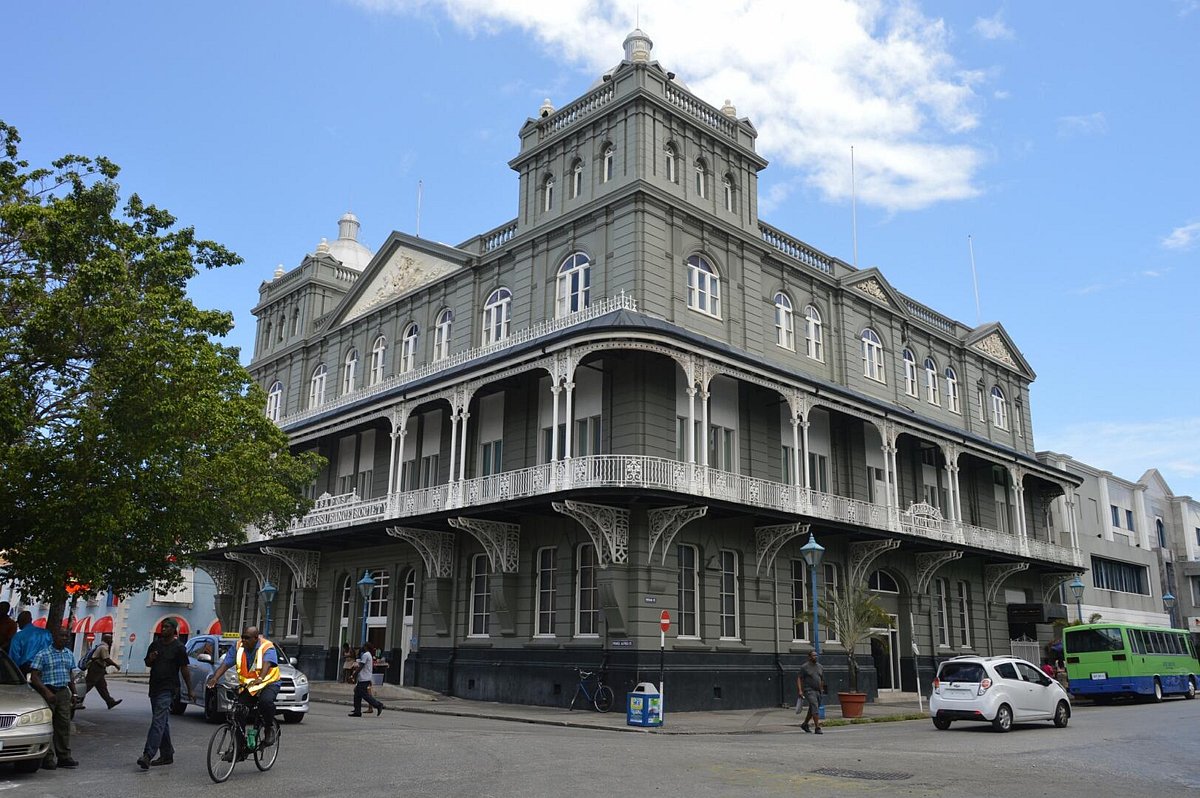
(996, 690)
(25, 719)
(205, 653)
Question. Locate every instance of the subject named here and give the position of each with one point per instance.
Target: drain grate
(867, 775)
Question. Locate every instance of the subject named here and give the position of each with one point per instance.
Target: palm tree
(851, 617)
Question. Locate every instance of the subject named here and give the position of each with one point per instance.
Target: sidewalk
(737, 721)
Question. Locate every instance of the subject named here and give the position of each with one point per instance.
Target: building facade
(636, 396)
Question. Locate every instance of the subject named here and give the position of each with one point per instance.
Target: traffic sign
(664, 621)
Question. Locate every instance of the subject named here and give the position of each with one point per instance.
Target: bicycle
(601, 699)
(240, 737)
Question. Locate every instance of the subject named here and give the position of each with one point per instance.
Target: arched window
(813, 334)
(872, 355)
(727, 184)
(378, 359)
(441, 334)
(952, 390)
(316, 387)
(932, 395)
(785, 331)
(350, 371)
(672, 163)
(882, 582)
(282, 326)
(587, 593)
(701, 178)
(609, 152)
(577, 179)
(574, 284)
(704, 286)
(267, 339)
(910, 371)
(1162, 533)
(999, 409)
(495, 316)
(296, 322)
(274, 400)
(408, 347)
(548, 193)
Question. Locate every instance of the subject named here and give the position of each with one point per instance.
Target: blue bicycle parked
(600, 696)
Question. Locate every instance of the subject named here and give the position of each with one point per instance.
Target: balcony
(656, 473)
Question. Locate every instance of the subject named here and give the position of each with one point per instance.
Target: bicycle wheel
(265, 755)
(604, 698)
(222, 753)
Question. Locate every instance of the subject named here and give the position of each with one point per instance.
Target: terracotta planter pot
(852, 704)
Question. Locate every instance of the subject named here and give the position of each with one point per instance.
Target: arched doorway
(885, 641)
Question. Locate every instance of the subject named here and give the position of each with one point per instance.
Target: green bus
(1105, 660)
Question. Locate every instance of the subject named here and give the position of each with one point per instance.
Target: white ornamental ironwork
(665, 524)
(304, 565)
(501, 541)
(436, 549)
(607, 526)
(768, 540)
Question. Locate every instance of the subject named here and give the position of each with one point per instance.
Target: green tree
(131, 439)
(851, 615)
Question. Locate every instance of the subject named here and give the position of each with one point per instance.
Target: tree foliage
(131, 439)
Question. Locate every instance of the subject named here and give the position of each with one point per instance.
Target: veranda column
(804, 425)
(554, 390)
(704, 426)
(887, 474)
(795, 475)
(570, 418)
(453, 439)
(690, 432)
(462, 460)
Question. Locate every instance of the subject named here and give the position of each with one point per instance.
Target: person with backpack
(95, 664)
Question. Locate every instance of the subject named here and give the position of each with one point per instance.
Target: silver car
(204, 657)
(25, 720)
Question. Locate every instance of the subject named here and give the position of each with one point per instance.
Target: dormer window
(701, 178)
(672, 163)
(548, 194)
(577, 179)
(607, 172)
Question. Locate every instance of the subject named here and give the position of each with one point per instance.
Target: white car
(996, 690)
(25, 720)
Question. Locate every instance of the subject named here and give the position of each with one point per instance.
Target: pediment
(993, 341)
(405, 266)
(871, 283)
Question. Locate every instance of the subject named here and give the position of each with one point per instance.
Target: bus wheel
(1191, 689)
(1158, 693)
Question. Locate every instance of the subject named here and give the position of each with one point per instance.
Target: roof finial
(729, 110)
(638, 47)
(323, 247)
(278, 271)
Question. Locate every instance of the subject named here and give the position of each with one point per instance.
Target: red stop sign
(664, 621)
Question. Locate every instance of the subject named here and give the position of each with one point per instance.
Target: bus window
(1083, 641)
(1137, 641)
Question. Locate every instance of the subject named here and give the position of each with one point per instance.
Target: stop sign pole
(664, 623)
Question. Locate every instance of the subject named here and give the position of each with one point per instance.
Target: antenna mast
(420, 191)
(853, 207)
(975, 280)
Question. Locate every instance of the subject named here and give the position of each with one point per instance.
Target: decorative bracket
(768, 540)
(1051, 583)
(501, 541)
(436, 549)
(224, 575)
(665, 524)
(265, 569)
(305, 565)
(929, 563)
(996, 574)
(607, 526)
(863, 554)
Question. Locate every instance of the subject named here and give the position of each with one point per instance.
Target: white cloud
(814, 78)
(1182, 238)
(993, 27)
(1082, 125)
(1129, 448)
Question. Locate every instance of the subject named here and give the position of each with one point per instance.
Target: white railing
(576, 111)
(795, 249)
(702, 111)
(621, 301)
(657, 473)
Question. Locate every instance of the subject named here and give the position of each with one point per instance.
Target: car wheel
(28, 765)
(1191, 690)
(210, 707)
(178, 707)
(941, 724)
(293, 717)
(1004, 718)
(1062, 715)
(1158, 693)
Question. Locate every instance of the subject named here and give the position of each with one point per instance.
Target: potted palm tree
(850, 617)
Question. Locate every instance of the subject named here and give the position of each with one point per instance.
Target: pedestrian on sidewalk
(167, 660)
(364, 676)
(349, 664)
(8, 627)
(52, 674)
(96, 663)
(810, 683)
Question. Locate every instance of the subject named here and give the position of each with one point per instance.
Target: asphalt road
(1124, 750)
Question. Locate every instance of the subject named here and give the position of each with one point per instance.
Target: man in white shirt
(362, 682)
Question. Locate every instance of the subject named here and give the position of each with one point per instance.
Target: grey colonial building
(637, 396)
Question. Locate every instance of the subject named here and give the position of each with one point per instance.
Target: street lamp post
(1077, 588)
(365, 586)
(812, 553)
(1169, 603)
(268, 591)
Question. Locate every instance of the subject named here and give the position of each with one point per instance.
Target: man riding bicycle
(257, 665)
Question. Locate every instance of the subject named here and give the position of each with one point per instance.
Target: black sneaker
(379, 710)
(818, 731)
(48, 764)
(67, 762)
(806, 729)
(163, 760)
(144, 762)
(356, 714)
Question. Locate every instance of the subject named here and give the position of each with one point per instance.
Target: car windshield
(961, 672)
(9, 674)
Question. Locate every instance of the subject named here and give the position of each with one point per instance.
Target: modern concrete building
(637, 396)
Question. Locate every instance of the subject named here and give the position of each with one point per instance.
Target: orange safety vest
(246, 673)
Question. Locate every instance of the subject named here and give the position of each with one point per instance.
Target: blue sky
(1060, 136)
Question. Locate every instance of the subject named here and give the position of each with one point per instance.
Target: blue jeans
(158, 739)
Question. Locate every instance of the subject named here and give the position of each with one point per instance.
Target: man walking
(811, 684)
(29, 640)
(97, 662)
(8, 627)
(167, 661)
(51, 675)
(363, 679)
